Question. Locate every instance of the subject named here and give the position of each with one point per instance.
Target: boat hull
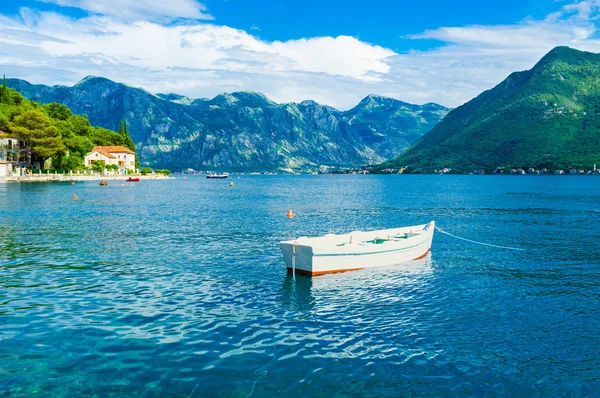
(338, 253)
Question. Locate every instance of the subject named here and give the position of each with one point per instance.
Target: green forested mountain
(546, 117)
(244, 130)
(52, 131)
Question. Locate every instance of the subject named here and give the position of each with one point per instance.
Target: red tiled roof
(107, 150)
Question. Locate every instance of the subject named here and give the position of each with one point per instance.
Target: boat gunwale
(305, 240)
(341, 254)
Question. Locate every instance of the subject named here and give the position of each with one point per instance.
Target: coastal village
(17, 160)
(510, 171)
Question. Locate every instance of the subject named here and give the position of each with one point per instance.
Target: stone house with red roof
(120, 156)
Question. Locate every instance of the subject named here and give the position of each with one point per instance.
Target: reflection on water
(177, 288)
(302, 292)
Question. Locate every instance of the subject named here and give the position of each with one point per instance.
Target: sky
(331, 51)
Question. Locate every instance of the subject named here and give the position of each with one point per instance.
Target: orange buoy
(75, 196)
(290, 213)
(72, 182)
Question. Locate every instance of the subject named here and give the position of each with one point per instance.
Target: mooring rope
(476, 242)
(261, 373)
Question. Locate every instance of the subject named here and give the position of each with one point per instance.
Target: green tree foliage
(145, 170)
(105, 137)
(163, 171)
(35, 127)
(71, 162)
(98, 165)
(127, 141)
(53, 131)
(57, 111)
(3, 90)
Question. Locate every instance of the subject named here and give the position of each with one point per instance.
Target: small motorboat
(133, 179)
(357, 250)
(223, 175)
(103, 183)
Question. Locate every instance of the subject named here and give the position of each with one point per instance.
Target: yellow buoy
(290, 213)
(75, 196)
(231, 184)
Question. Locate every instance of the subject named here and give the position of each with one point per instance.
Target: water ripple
(177, 289)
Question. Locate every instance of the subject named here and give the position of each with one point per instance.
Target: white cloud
(139, 10)
(112, 48)
(582, 9)
(202, 60)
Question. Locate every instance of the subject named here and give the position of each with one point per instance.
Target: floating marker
(290, 213)
(75, 196)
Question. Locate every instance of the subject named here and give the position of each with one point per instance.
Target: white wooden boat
(357, 250)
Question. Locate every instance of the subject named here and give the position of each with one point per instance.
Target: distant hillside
(548, 116)
(244, 130)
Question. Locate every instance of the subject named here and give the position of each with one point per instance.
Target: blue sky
(334, 52)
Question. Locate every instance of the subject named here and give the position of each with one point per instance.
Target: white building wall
(90, 157)
(124, 160)
(121, 159)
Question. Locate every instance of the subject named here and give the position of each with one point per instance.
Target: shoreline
(68, 178)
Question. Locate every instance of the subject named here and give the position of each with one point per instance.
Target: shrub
(98, 165)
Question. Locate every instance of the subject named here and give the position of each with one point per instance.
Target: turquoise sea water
(178, 288)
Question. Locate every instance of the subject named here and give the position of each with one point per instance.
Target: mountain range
(244, 131)
(545, 117)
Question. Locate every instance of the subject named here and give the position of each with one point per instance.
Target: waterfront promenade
(80, 177)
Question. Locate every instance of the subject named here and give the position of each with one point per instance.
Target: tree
(4, 91)
(81, 125)
(98, 165)
(128, 142)
(35, 128)
(76, 143)
(71, 162)
(104, 137)
(58, 111)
